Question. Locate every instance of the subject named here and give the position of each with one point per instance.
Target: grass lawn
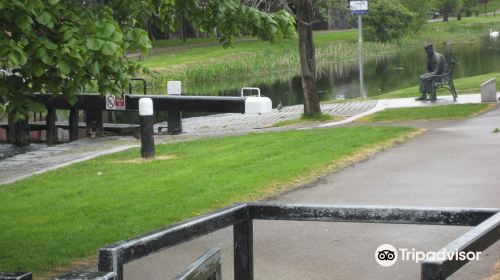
(305, 120)
(463, 85)
(55, 218)
(239, 49)
(428, 113)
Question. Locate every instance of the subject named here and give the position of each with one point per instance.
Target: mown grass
(257, 62)
(446, 112)
(307, 120)
(51, 219)
(463, 85)
(467, 30)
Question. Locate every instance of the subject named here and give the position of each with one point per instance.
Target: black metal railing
(486, 231)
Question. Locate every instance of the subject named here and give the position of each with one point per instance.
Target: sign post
(360, 7)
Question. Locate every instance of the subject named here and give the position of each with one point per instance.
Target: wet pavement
(39, 158)
(454, 164)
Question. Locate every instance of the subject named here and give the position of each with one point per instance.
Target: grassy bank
(446, 112)
(463, 85)
(52, 219)
(253, 61)
(308, 120)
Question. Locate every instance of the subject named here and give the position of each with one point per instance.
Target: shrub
(387, 21)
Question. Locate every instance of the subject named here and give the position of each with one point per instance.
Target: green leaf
(45, 19)
(64, 67)
(53, 2)
(109, 48)
(95, 68)
(68, 34)
(24, 22)
(117, 37)
(12, 60)
(95, 44)
(109, 29)
(39, 71)
(49, 45)
(41, 53)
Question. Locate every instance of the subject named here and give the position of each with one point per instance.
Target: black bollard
(147, 122)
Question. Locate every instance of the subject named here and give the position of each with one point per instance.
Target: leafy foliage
(387, 21)
(421, 8)
(61, 46)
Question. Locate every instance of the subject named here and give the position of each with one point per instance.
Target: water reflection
(383, 73)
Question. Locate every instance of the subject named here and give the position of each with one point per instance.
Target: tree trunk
(307, 58)
(445, 16)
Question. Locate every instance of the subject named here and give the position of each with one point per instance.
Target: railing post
(431, 271)
(11, 131)
(146, 119)
(73, 125)
(94, 123)
(243, 250)
(50, 122)
(18, 131)
(111, 260)
(174, 122)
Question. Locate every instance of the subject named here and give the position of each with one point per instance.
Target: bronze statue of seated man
(436, 67)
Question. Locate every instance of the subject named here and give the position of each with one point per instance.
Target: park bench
(445, 81)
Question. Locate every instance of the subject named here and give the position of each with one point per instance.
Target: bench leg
(453, 91)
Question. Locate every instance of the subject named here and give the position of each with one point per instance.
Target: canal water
(382, 74)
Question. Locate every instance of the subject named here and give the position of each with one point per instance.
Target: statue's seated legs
(427, 87)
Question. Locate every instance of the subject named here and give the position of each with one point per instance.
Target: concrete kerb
(383, 104)
(101, 153)
(380, 105)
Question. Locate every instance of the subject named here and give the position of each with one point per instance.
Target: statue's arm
(438, 70)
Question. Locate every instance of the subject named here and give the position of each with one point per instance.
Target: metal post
(243, 250)
(174, 122)
(147, 122)
(360, 48)
(73, 124)
(94, 123)
(50, 122)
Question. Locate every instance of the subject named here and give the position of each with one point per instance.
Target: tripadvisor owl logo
(386, 255)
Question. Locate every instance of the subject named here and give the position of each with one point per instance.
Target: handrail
(486, 231)
(249, 88)
(113, 257)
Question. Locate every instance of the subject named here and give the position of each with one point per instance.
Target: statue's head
(429, 48)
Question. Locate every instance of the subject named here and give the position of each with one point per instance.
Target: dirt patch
(143, 160)
(86, 265)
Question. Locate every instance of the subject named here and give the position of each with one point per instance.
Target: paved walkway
(41, 158)
(454, 164)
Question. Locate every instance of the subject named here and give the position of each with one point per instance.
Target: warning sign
(115, 102)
